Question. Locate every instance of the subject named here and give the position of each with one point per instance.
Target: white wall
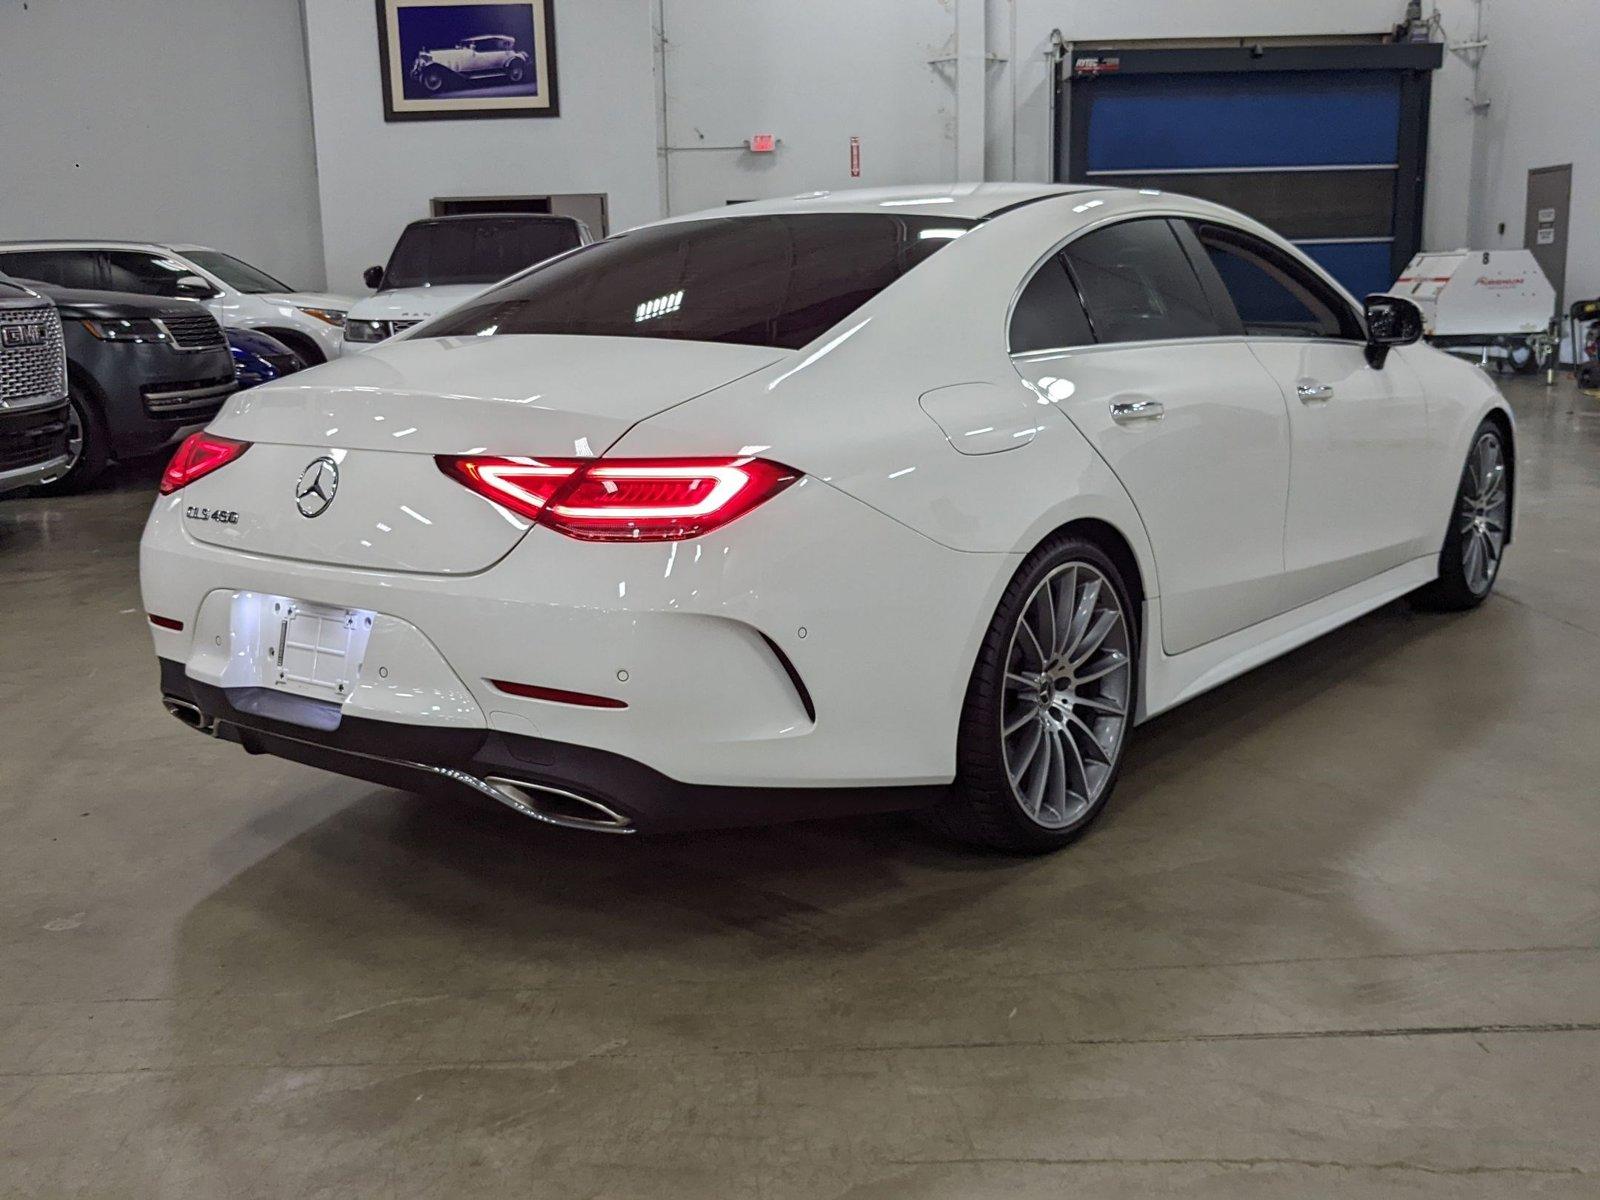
(172, 120)
(1541, 76)
(814, 74)
(375, 176)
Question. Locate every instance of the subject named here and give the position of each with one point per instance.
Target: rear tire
(1474, 543)
(87, 443)
(1049, 705)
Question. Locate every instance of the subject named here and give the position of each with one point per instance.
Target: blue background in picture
(440, 26)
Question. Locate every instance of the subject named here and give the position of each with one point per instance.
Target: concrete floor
(1340, 932)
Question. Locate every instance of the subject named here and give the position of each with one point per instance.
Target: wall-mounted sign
(763, 143)
(1546, 236)
(1547, 216)
(453, 59)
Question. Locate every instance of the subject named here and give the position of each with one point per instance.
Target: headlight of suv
(119, 330)
(365, 331)
(331, 315)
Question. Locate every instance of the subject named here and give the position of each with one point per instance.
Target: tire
(1588, 376)
(433, 80)
(1023, 792)
(1474, 543)
(88, 444)
(1523, 357)
(517, 71)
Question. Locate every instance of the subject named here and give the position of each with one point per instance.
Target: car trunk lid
(376, 422)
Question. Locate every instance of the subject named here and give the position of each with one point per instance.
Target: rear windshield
(477, 251)
(758, 281)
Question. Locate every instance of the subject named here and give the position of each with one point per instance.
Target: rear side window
(1138, 285)
(761, 281)
(480, 250)
(1274, 295)
(64, 268)
(1049, 314)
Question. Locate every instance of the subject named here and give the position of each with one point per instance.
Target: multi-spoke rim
(1481, 516)
(1068, 687)
(74, 435)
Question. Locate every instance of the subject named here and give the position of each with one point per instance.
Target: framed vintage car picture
(456, 59)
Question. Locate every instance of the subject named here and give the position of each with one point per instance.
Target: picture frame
(453, 60)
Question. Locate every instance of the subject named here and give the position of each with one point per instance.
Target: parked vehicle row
(156, 336)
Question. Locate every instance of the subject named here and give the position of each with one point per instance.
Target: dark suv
(142, 372)
(33, 389)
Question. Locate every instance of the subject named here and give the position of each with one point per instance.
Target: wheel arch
(302, 344)
(1118, 548)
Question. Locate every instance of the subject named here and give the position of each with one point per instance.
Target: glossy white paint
(266, 311)
(879, 572)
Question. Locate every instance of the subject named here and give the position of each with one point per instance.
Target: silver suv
(33, 388)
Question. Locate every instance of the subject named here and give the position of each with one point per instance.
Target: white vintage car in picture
(483, 57)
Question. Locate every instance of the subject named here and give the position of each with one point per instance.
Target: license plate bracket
(318, 649)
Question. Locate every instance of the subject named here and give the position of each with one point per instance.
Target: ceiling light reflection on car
(659, 307)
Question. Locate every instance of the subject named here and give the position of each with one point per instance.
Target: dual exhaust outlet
(551, 805)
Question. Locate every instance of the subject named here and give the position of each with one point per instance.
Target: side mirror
(1391, 321)
(195, 288)
(373, 277)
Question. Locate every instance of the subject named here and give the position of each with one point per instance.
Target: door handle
(1311, 393)
(1130, 411)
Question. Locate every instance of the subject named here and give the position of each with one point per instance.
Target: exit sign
(763, 143)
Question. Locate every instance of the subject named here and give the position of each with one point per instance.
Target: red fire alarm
(762, 143)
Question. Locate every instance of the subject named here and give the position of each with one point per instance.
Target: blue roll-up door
(1327, 156)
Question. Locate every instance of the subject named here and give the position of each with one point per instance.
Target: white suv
(239, 296)
(442, 261)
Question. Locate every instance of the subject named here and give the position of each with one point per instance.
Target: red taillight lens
(625, 499)
(199, 455)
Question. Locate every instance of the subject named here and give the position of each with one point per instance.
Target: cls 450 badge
(222, 516)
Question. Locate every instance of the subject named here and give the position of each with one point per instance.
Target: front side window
(146, 274)
(1274, 296)
(238, 275)
(1138, 285)
(480, 250)
(1048, 314)
(778, 280)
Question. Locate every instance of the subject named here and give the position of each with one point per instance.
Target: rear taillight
(199, 455)
(624, 499)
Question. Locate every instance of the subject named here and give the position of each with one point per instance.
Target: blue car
(258, 358)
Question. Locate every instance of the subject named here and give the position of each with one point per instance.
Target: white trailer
(1484, 298)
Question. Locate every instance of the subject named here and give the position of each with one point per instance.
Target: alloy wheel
(1068, 684)
(1481, 514)
(74, 436)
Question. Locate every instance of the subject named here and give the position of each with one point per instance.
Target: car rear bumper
(572, 786)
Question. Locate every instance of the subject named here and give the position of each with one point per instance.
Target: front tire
(87, 447)
(1474, 544)
(1049, 705)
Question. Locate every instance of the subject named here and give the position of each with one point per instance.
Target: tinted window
(64, 268)
(1138, 285)
(1274, 296)
(1048, 312)
(481, 250)
(240, 276)
(148, 274)
(760, 281)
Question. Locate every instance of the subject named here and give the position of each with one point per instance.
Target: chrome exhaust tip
(189, 713)
(558, 806)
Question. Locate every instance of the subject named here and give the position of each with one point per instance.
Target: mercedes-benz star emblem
(318, 485)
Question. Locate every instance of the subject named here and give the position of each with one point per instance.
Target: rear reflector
(199, 455)
(534, 692)
(166, 622)
(624, 499)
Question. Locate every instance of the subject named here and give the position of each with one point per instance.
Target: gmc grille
(27, 372)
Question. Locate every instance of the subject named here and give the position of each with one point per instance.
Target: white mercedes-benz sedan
(859, 501)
